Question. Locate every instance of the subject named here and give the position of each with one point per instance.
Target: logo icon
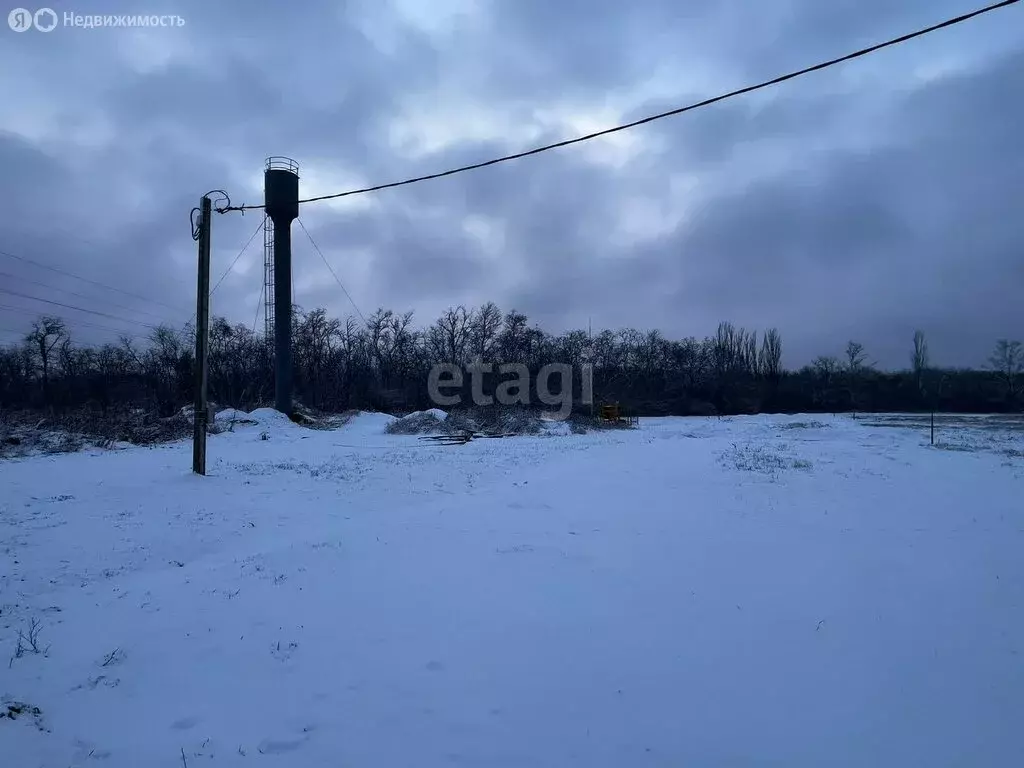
(20, 19)
(45, 19)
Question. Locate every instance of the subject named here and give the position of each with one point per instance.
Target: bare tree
(315, 341)
(449, 336)
(725, 349)
(826, 367)
(919, 360)
(651, 353)
(47, 332)
(400, 354)
(512, 339)
(751, 361)
(484, 325)
(771, 354)
(573, 348)
(855, 357)
(385, 363)
(1007, 360)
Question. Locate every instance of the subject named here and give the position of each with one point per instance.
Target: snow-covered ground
(784, 591)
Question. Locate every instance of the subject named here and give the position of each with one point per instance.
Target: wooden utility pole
(200, 407)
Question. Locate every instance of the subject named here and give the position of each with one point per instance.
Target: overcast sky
(862, 202)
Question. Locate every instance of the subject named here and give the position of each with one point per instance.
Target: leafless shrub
(314, 418)
(28, 642)
(115, 657)
(761, 459)
(66, 442)
(956, 447)
(128, 425)
(581, 422)
(494, 419)
(25, 433)
(419, 423)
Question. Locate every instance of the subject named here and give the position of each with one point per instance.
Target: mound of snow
(556, 427)
(268, 417)
(418, 423)
(235, 416)
(364, 423)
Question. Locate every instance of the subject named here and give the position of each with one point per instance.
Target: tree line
(383, 363)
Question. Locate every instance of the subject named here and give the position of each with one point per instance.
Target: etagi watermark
(47, 20)
(516, 390)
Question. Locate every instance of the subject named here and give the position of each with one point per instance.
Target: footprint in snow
(517, 548)
(278, 746)
(86, 750)
(186, 723)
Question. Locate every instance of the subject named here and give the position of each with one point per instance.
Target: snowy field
(760, 591)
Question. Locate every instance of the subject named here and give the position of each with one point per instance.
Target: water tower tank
(281, 189)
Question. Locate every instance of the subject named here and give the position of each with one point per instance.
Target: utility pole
(200, 408)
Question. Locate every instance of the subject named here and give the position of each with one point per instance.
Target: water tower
(281, 202)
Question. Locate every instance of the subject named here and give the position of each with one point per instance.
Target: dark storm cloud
(414, 257)
(604, 44)
(920, 233)
(203, 121)
(833, 207)
(125, 244)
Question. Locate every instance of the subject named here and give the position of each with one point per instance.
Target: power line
(119, 333)
(329, 267)
(239, 256)
(77, 309)
(85, 279)
(81, 295)
(232, 265)
(80, 323)
(70, 233)
(659, 116)
(259, 305)
(76, 323)
(83, 323)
